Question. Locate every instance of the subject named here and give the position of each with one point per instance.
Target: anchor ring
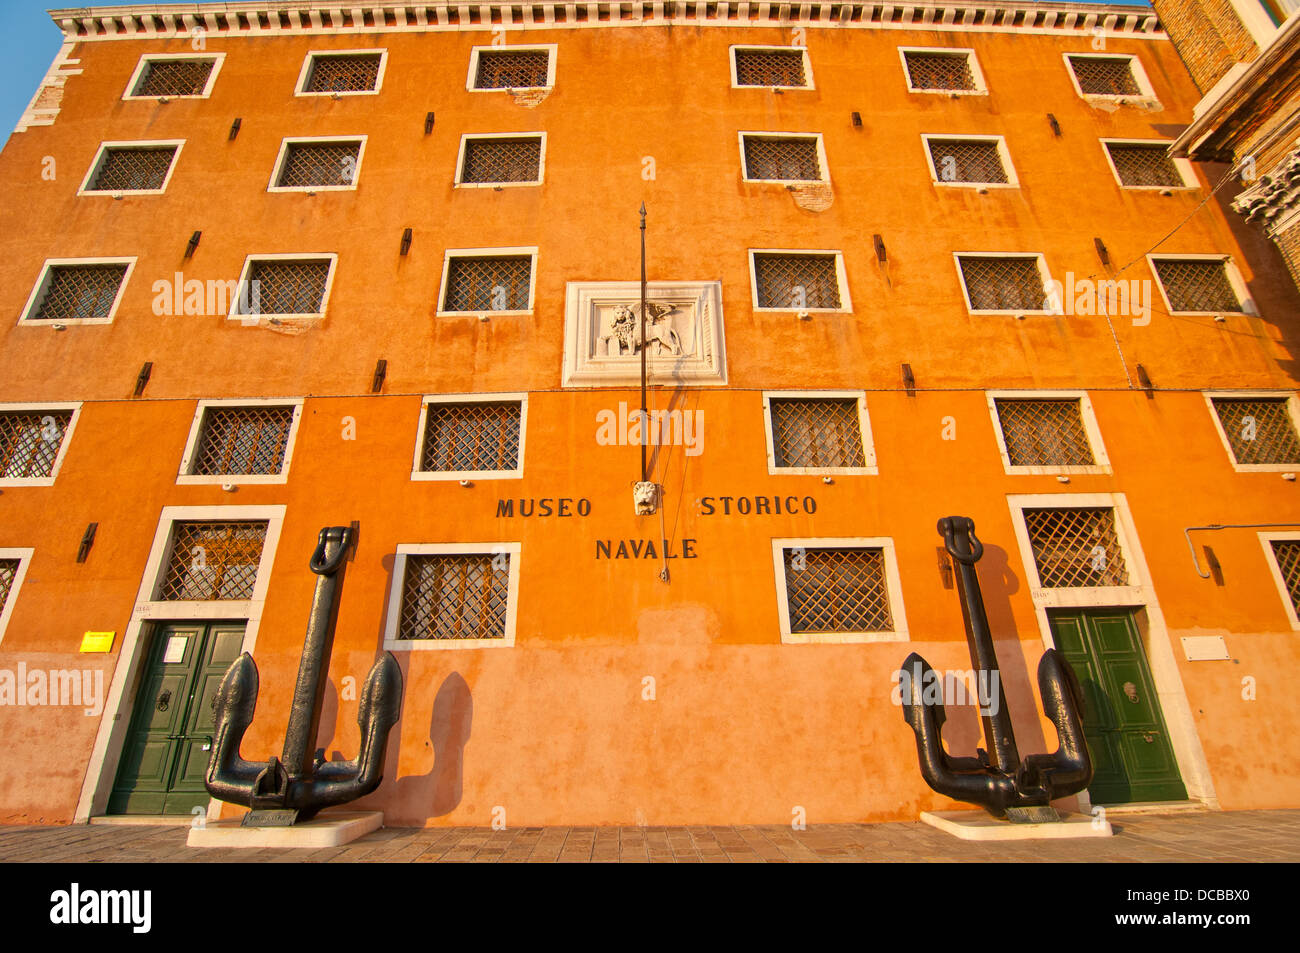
(327, 567)
(949, 531)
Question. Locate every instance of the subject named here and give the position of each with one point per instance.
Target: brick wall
(1288, 242)
(1208, 35)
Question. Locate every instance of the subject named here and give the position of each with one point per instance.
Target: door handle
(1149, 736)
(164, 700)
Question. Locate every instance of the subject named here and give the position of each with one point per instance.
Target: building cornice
(279, 17)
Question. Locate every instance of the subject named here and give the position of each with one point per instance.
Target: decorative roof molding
(277, 17)
(1274, 199)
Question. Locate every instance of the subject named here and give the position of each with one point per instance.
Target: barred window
(1285, 551)
(492, 160)
(242, 441)
(763, 67)
(348, 73)
(1259, 429)
(1040, 433)
(797, 281)
(212, 561)
(1076, 547)
(816, 432)
(471, 437)
(837, 590)
(455, 596)
(934, 70)
(8, 573)
(512, 69)
(1003, 284)
(30, 441)
(1147, 166)
(132, 168)
(319, 164)
(967, 160)
(180, 77)
(1105, 75)
(285, 287)
(793, 158)
(1196, 285)
(79, 292)
(488, 284)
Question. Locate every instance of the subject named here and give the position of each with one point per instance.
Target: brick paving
(1211, 836)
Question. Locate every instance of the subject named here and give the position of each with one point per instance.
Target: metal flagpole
(644, 475)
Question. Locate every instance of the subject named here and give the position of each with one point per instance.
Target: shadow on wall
(439, 791)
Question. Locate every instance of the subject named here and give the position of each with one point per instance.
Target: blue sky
(28, 43)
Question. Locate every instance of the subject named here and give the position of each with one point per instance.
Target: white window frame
(846, 303)
(24, 557)
(465, 138)
(552, 49)
(1184, 166)
(514, 251)
(1146, 93)
(1292, 408)
(397, 586)
(823, 166)
(520, 398)
(1266, 539)
(807, 65)
(311, 57)
(1043, 273)
(41, 408)
(184, 477)
(1102, 464)
(278, 169)
(1013, 181)
(217, 58)
(43, 283)
(102, 154)
(258, 319)
(893, 590)
(1229, 268)
(977, 74)
(864, 427)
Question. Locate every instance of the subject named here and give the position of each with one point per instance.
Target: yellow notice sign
(98, 641)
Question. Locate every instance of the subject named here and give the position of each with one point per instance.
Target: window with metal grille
(1003, 284)
(183, 77)
(1144, 166)
(1105, 75)
(351, 73)
(8, 573)
(465, 437)
(967, 160)
(1285, 551)
(837, 590)
(948, 71)
(1196, 285)
(212, 561)
(319, 164)
(286, 287)
(132, 169)
(1041, 433)
(793, 158)
(455, 596)
(242, 441)
(78, 292)
(492, 160)
(816, 432)
(30, 441)
(488, 284)
(512, 69)
(1259, 429)
(770, 68)
(797, 281)
(1076, 547)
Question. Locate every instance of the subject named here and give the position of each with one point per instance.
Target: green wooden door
(1125, 728)
(169, 739)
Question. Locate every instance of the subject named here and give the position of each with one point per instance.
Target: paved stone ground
(1211, 836)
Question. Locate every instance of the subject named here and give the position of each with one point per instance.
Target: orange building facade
(874, 240)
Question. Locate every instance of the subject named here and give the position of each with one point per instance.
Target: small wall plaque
(98, 641)
(1205, 648)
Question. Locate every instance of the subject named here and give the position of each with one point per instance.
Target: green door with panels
(1131, 753)
(169, 740)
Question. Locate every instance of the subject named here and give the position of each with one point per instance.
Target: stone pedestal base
(977, 825)
(327, 829)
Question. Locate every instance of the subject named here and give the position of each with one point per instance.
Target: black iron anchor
(293, 787)
(997, 780)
